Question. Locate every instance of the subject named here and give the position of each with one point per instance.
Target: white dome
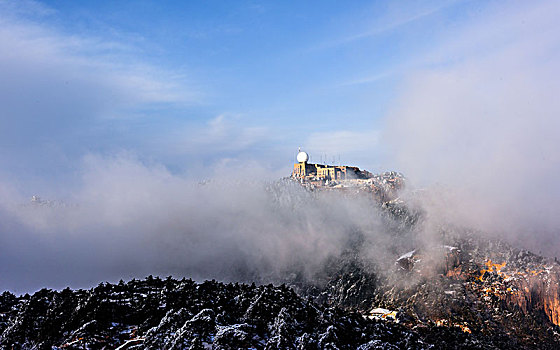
(302, 157)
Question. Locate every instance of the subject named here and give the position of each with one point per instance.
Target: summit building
(305, 171)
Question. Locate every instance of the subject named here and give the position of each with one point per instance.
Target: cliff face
(534, 289)
(480, 287)
(520, 279)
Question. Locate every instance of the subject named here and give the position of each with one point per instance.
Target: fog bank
(128, 219)
(484, 129)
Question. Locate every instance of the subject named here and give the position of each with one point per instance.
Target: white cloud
(222, 134)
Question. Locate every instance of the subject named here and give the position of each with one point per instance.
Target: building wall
(302, 170)
(331, 173)
(326, 172)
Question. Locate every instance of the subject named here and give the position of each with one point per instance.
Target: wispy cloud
(367, 79)
(393, 18)
(61, 92)
(33, 46)
(25, 8)
(224, 134)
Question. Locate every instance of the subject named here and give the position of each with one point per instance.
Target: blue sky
(190, 85)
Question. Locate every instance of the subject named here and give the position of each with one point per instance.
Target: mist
(482, 132)
(128, 219)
